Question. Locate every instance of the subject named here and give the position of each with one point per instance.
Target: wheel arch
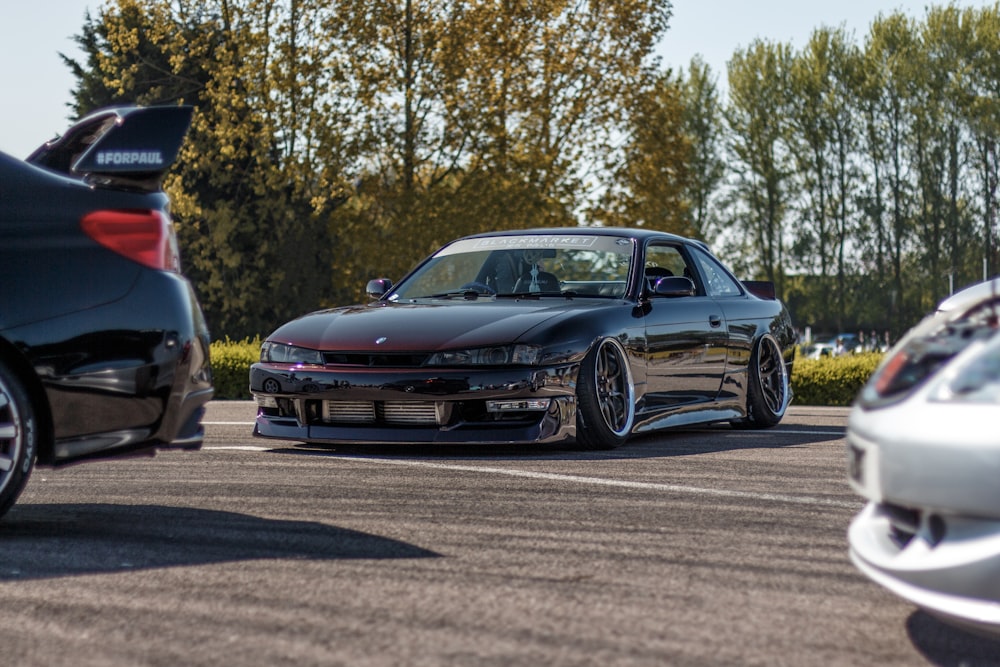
(15, 360)
(746, 335)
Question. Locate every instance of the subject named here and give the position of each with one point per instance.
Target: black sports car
(103, 347)
(545, 336)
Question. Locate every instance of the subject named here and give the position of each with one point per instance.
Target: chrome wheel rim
(773, 376)
(11, 435)
(615, 395)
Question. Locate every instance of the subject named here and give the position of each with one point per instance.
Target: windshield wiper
(534, 295)
(469, 294)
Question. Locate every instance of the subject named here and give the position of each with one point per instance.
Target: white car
(924, 449)
(818, 351)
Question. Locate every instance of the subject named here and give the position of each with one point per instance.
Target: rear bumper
(129, 376)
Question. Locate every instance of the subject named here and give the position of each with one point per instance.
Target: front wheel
(18, 438)
(605, 397)
(767, 385)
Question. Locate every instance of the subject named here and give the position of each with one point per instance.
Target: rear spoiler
(762, 289)
(124, 146)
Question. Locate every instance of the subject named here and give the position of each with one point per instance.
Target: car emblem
(380, 340)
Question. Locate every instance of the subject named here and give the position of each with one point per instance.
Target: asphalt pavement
(708, 546)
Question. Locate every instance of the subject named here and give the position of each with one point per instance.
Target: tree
(982, 110)
(649, 183)
(941, 224)
(756, 116)
(885, 95)
(702, 123)
(822, 138)
(252, 187)
(490, 115)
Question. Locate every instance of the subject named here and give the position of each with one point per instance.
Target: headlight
(500, 355)
(289, 354)
(923, 352)
(975, 380)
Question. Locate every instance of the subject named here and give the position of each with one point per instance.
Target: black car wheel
(605, 396)
(767, 385)
(18, 438)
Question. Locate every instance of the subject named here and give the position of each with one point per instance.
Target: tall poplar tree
(703, 126)
(822, 138)
(756, 116)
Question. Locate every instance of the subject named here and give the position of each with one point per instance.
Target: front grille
(903, 523)
(433, 414)
(396, 360)
(414, 413)
(349, 412)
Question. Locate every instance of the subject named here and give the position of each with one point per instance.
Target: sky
(35, 85)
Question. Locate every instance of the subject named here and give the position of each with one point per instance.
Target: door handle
(714, 321)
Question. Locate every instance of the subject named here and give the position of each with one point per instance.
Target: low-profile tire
(767, 385)
(605, 397)
(18, 438)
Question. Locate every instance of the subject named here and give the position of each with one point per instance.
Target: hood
(424, 327)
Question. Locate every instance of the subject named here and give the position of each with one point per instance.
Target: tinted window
(718, 282)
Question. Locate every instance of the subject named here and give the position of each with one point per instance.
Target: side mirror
(674, 286)
(377, 288)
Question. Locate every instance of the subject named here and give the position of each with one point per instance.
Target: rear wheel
(767, 385)
(605, 397)
(18, 438)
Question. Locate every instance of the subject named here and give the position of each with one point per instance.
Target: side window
(665, 260)
(717, 281)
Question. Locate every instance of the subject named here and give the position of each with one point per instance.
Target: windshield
(527, 265)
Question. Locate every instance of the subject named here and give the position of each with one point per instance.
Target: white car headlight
(289, 354)
(500, 355)
(974, 379)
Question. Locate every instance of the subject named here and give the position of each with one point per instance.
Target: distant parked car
(103, 347)
(924, 449)
(818, 351)
(844, 343)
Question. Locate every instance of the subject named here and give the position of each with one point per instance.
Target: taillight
(145, 236)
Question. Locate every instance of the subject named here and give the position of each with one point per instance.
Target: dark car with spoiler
(103, 346)
(580, 335)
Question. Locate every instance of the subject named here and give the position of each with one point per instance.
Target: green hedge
(827, 381)
(231, 367)
(832, 380)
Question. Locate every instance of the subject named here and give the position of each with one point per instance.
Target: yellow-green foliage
(231, 367)
(832, 380)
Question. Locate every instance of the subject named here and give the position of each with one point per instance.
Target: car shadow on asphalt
(948, 646)
(662, 444)
(54, 540)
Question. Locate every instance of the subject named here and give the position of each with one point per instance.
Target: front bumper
(418, 405)
(947, 565)
(927, 454)
(931, 530)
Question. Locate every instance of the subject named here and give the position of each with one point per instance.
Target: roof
(636, 233)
